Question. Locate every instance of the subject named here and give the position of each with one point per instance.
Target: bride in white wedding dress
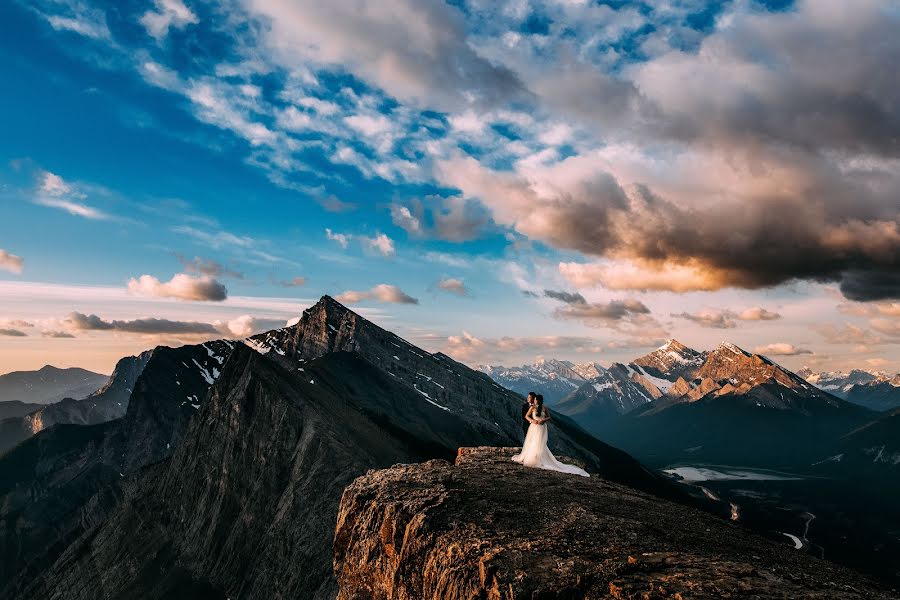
(535, 452)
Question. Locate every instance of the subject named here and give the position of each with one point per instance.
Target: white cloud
(54, 192)
(378, 244)
(342, 239)
(168, 14)
(11, 262)
(181, 287)
(780, 349)
(247, 325)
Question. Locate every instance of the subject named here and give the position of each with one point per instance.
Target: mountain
(105, 404)
(16, 408)
(49, 384)
(553, 378)
(237, 495)
(726, 406)
(441, 530)
(872, 389)
(882, 395)
(622, 388)
(869, 452)
(66, 479)
(612, 393)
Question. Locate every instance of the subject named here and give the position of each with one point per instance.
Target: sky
(495, 179)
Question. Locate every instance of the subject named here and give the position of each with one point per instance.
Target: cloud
(378, 244)
(726, 319)
(889, 327)
(780, 349)
(293, 282)
(209, 267)
(17, 323)
(168, 14)
(574, 205)
(567, 297)
(57, 334)
(452, 218)
(55, 192)
(608, 314)
(11, 262)
(712, 318)
(415, 50)
(12, 332)
(342, 239)
(77, 17)
(453, 285)
(81, 322)
(469, 348)
(381, 293)
(182, 287)
(848, 334)
(247, 325)
(757, 313)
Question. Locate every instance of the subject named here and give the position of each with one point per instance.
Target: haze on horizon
(495, 180)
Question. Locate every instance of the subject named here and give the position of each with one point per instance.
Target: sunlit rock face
(489, 528)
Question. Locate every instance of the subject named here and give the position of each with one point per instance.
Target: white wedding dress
(535, 453)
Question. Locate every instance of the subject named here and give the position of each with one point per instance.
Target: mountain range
(554, 378)
(225, 468)
(98, 406)
(225, 472)
(48, 384)
(724, 405)
(873, 389)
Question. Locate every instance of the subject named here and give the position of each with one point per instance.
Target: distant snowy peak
(873, 389)
(552, 378)
(671, 361)
(589, 370)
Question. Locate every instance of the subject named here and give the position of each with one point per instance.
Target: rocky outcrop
(489, 528)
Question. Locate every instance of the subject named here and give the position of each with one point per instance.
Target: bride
(535, 452)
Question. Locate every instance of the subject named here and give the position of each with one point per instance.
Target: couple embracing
(535, 452)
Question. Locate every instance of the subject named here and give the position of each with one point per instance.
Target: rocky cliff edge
(488, 528)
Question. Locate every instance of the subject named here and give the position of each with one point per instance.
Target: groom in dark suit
(527, 405)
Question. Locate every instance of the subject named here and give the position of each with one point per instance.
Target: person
(526, 406)
(535, 452)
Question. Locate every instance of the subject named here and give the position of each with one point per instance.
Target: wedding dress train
(535, 453)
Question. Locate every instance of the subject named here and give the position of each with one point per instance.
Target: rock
(489, 528)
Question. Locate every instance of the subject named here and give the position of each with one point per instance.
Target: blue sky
(496, 180)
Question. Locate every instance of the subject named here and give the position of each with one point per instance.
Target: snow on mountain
(553, 378)
(873, 389)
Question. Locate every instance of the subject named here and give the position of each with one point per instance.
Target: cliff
(489, 528)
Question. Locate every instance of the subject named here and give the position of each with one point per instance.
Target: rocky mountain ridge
(488, 528)
(215, 495)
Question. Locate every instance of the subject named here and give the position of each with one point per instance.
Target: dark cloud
(81, 322)
(12, 333)
(453, 218)
(865, 286)
(567, 297)
(611, 311)
(56, 334)
(205, 266)
(710, 318)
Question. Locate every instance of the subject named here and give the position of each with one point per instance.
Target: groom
(527, 405)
